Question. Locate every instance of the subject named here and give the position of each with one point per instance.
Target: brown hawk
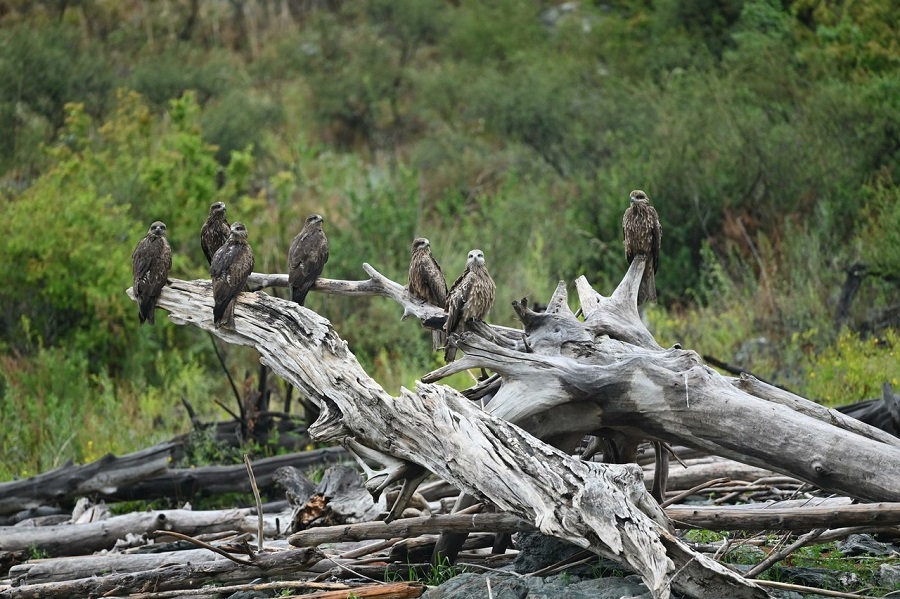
(470, 298)
(150, 265)
(215, 231)
(307, 257)
(427, 283)
(230, 268)
(642, 233)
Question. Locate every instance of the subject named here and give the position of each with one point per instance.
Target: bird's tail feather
(147, 310)
(438, 340)
(449, 353)
(298, 294)
(223, 314)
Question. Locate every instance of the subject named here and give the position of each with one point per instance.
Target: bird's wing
(142, 259)
(230, 269)
(307, 258)
(204, 241)
(656, 240)
(417, 284)
(627, 232)
(456, 301)
(223, 259)
(295, 254)
(426, 280)
(437, 284)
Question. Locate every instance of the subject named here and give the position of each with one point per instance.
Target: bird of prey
(307, 258)
(230, 268)
(470, 297)
(426, 282)
(642, 234)
(150, 265)
(215, 231)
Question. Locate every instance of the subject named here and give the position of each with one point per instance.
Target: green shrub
(54, 407)
(43, 68)
(163, 77)
(238, 121)
(853, 369)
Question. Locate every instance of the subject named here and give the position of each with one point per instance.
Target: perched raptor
(643, 233)
(230, 268)
(150, 265)
(470, 297)
(427, 283)
(215, 231)
(307, 258)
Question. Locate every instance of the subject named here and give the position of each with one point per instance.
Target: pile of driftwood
(328, 539)
(506, 444)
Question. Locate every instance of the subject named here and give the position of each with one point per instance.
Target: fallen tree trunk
(407, 527)
(185, 483)
(81, 539)
(668, 395)
(66, 483)
(703, 469)
(774, 517)
(395, 590)
(601, 507)
(172, 577)
(73, 568)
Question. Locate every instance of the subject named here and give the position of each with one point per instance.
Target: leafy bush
(162, 77)
(853, 369)
(879, 237)
(238, 121)
(43, 68)
(53, 407)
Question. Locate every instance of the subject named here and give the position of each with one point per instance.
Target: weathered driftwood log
(407, 527)
(784, 515)
(773, 517)
(393, 590)
(72, 568)
(703, 469)
(601, 507)
(185, 483)
(171, 577)
(643, 391)
(80, 539)
(65, 484)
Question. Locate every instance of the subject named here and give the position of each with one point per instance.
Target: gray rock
(889, 576)
(538, 551)
(475, 585)
(865, 545)
(509, 586)
(821, 578)
(252, 595)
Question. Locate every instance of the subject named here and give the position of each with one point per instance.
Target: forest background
(766, 133)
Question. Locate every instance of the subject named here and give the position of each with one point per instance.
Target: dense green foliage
(765, 132)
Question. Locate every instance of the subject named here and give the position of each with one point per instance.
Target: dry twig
(200, 543)
(259, 509)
